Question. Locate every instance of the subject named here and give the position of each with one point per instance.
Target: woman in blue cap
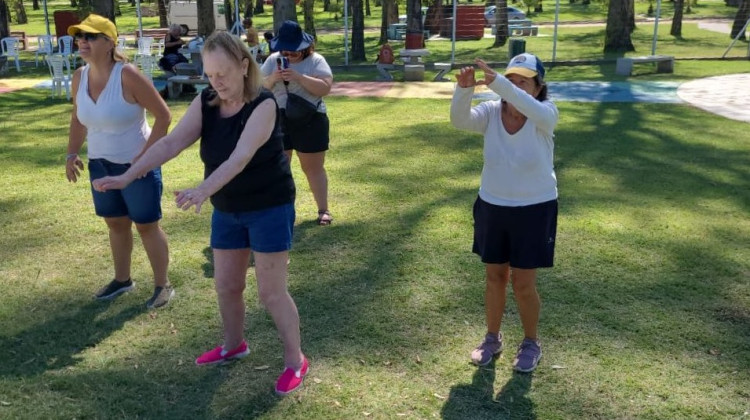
(295, 68)
(515, 215)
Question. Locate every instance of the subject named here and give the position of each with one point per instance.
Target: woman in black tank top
(250, 185)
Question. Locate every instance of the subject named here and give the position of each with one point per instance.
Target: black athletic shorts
(522, 236)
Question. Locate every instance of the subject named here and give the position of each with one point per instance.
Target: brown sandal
(324, 218)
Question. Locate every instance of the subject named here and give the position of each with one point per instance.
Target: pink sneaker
(291, 379)
(219, 355)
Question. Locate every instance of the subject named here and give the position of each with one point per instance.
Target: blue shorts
(522, 236)
(140, 201)
(267, 230)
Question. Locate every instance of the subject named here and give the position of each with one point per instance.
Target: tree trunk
(229, 14)
(20, 10)
(414, 16)
(248, 8)
(631, 15)
(35, 4)
(501, 23)
(677, 19)
(326, 5)
(389, 16)
(617, 33)
(283, 10)
(118, 12)
(4, 31)
(206, 21)
(104, 8)
(163, 11)
(368, 12)
(538, 8)
(358, 30)
(309, 12)
(740, 19)
(258, 7)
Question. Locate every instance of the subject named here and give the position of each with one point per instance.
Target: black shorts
(522, 236)
(312, 137)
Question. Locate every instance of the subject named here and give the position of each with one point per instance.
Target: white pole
(554, 36)
(237, 28)
(140, 22)
(656, 27)
(453, 34)
(346, 32)
(46, 18)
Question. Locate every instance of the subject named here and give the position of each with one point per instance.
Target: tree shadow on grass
(478, 400)
(55, 344)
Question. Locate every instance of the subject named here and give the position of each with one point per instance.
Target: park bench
(175, 83)
(443, 69)
(22, 39)
(519, 27)
(664, 64)
(384, 72)
(413, 65)
(156, 33)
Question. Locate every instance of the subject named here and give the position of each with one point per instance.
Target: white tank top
(116, 129)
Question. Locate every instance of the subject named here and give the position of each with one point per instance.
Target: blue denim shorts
(267, 230)
(140, 201)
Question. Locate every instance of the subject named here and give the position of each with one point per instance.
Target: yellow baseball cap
(95, 24)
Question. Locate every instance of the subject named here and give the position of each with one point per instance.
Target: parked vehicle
(185, 14)
(513, 14)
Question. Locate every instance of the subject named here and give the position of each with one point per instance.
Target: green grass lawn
(646, 314)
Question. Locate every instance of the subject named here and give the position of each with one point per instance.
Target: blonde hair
(236, 50)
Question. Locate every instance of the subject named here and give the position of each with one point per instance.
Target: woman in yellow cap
(515, 213)
(110, 98)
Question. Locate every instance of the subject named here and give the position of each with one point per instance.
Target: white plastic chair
(44, 48)
(57, 72)
(254, 50)
(144, 47)
(9, 49)
(147, 64)
(65, 49)
(121, 44)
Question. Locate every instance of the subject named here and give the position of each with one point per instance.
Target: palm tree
(206, 20)
(501, 23)
(283, 10)
(358, 30)
(619, 26)
(740, 19)
(676, 29)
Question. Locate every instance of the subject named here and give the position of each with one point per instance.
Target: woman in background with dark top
(309, 76)
(172, 45)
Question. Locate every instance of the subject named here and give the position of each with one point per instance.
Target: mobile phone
(284, 62)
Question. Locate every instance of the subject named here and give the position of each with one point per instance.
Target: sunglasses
(291, 53)
(87, 36)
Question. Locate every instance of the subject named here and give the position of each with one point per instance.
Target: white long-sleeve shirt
(518, 168)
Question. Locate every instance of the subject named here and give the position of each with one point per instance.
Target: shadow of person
(513, 397)
(473, 400)
(55, 343)
(208, 266)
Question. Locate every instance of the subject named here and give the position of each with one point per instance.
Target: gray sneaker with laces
(161, 297)
(527, 358)
(488, 349)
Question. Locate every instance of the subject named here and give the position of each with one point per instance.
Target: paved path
(723, 95)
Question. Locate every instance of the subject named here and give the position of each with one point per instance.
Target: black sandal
(322, 219)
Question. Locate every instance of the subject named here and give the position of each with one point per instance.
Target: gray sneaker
(488, 349)
(113, 289)
(161, 297)
(527, 358)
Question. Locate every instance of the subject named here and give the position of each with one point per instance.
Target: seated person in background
(172, 45)
(252, 33)
(264, 49)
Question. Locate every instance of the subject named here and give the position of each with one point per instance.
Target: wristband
(70, 156)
